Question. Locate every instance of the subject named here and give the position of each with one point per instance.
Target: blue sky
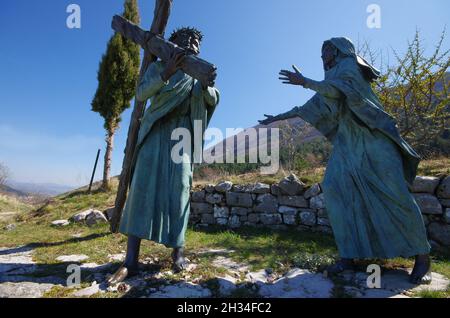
(48, 72)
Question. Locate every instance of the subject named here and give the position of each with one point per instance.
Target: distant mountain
(293, 130)
(7, 190)
(46, 189)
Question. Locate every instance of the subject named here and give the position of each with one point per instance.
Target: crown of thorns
(186, 30)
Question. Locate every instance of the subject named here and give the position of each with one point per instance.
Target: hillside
(39, 189)
(294, 128)
(220, 258)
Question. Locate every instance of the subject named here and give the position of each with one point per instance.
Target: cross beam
(161, 17)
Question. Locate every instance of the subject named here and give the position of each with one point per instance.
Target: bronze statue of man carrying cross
(181, 89)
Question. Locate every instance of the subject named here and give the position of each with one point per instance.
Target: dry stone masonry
(291, 204)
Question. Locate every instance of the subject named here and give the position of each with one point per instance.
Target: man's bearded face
(189, 42)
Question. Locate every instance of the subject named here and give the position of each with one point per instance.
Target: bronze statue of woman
(372, 213)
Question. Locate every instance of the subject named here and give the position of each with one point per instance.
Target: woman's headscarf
(346, 48)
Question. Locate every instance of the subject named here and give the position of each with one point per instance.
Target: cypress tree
(117, 76)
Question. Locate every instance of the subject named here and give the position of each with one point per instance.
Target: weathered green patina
(372, 213)
(157, 207)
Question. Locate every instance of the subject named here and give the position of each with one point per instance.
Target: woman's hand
(292, 78)
(173, 65)
(270, 119)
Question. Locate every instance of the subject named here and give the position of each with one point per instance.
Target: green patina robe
(370, 208)
(157, 206)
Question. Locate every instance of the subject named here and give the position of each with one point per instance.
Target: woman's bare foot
(421, 273)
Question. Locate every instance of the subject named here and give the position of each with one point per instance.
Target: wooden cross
(155, 46)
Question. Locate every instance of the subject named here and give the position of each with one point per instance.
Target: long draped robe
(157, 206)
(370, 208)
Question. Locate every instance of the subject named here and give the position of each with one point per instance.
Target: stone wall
(290, 204)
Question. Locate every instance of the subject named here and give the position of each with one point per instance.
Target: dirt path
(21, 277)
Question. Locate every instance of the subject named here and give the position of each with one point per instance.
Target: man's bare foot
(179, 261)
(421, 273)
(121, 274)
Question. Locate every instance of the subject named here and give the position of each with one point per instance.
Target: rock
(260, 277)
(397, 281)
(425, 184)
(394, 284)
(88, 291)
(317, 202)
(221, 212)
(60, 223)
(224, 186)
(296, 201)
(378, 293)
(210, 188)
(253, 218)
(24, 290)
(201, 208)
(240, 211)
(81, 216)
(298, 283)
(94, 267)
(307, 218)
(214, 198)
(428, 203)
(447, 215)
(275, 190)
(260, 188)
(222, 221)
(440, 233)
(445, 203)
(239, 199)
(96, 217)
(109, 213)
(182, 290)
(287, 210)
(291, 185)
(10, 227)
(227, 285)
(266, 203)
(116, 257)
(322, 213)
(271, 219)
(16, 261)
(228, 264)
(256, 188)
(323, 222)
(443, 191)
(72, 258)
(208, 219)
(290, 219)
(313, 191)
(234, 222)
(353, 291)
(198, 196)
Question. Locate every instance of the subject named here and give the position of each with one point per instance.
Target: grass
(259, 248)
(435, 167)
(13, 204)
(432, 167)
